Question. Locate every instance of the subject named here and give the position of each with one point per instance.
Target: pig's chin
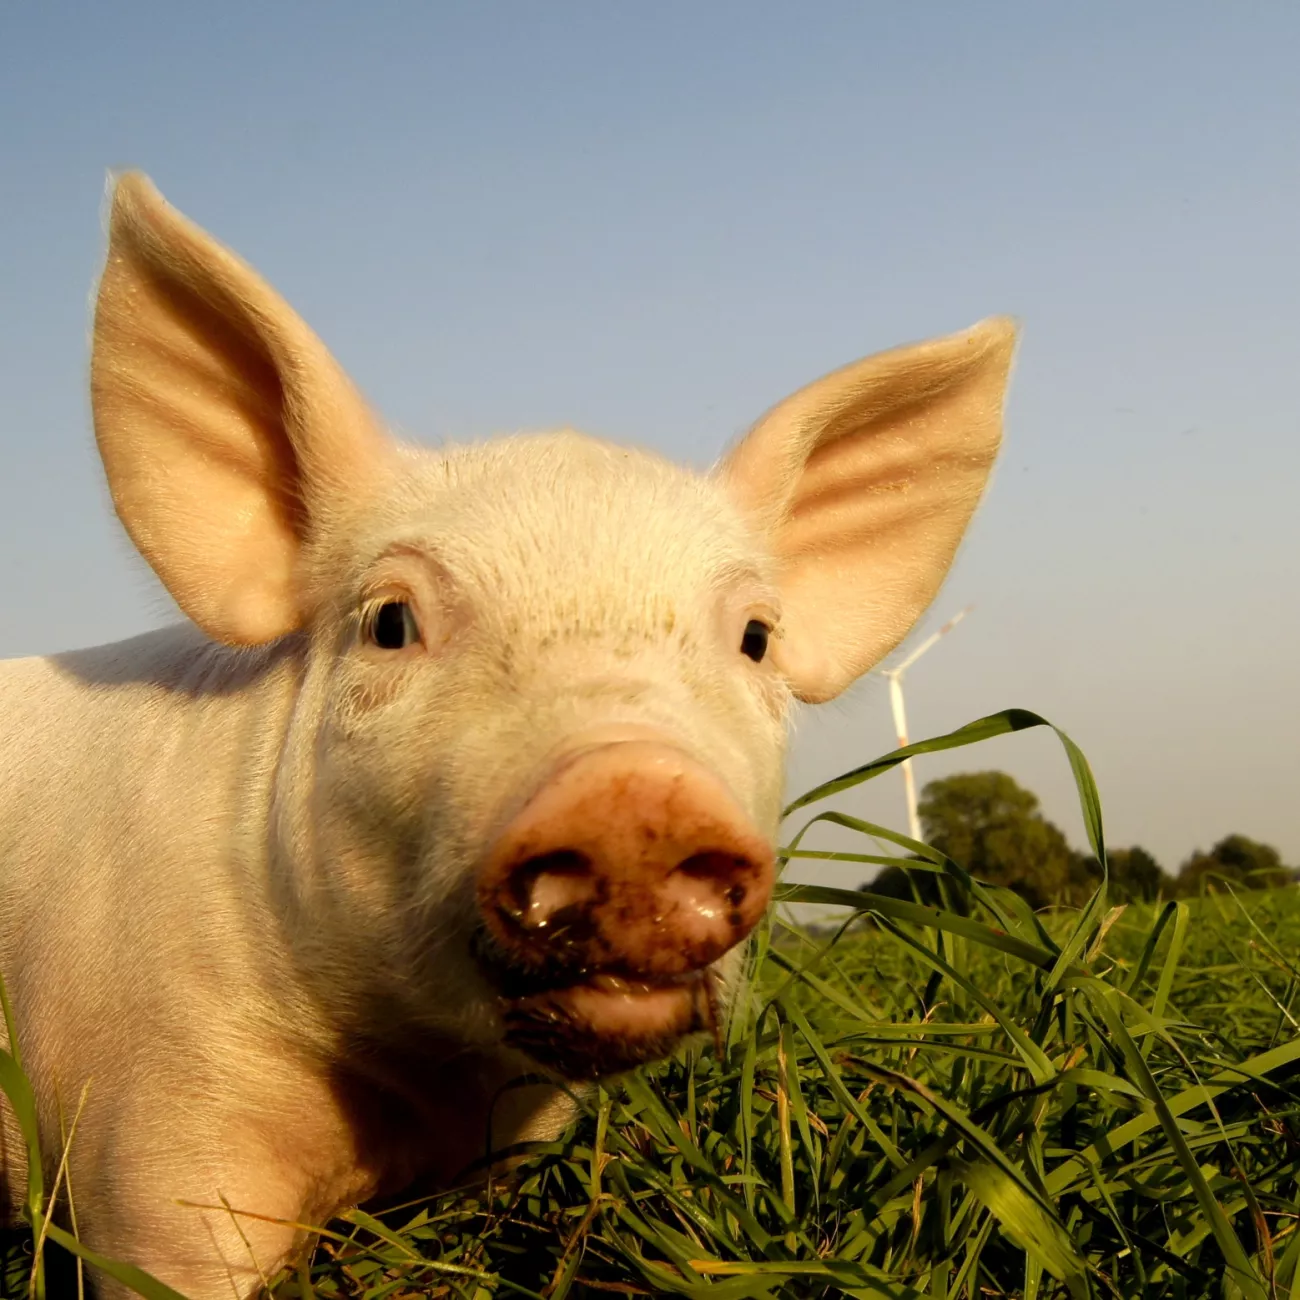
(609, 1023)
(589, 1024)
(606, 1023)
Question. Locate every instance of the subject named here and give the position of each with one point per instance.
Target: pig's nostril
(714, 865)
(553, 888)
(707, 884)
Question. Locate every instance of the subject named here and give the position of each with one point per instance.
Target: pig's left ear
(863, 484)
(229, 434)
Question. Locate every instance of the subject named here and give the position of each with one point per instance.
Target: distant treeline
(992, 826)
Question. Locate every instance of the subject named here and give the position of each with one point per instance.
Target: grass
(960, 1101)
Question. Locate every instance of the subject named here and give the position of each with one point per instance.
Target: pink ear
(225, 426)
(864, 483)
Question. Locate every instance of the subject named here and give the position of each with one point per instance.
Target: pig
(466, 763)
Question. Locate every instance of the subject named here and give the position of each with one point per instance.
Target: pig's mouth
(587, 1024)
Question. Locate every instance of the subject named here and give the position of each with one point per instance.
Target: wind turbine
(894, 676)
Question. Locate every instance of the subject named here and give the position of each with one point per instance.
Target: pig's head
(530, 786)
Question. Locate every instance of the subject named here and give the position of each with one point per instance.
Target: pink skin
(610, 893)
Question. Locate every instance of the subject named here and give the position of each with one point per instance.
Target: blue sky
(652, 221)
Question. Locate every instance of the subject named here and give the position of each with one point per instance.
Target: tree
(992, 826)
(1243, 862)
(911, 886)
(1135, 876)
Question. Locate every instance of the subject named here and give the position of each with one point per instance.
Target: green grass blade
(1027, 1222)
(996, 724)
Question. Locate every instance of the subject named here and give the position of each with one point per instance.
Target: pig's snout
(632, 860)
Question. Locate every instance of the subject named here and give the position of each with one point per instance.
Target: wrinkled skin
(293, 892)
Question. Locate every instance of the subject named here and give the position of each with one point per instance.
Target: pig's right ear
(863, 484)
(228, 432)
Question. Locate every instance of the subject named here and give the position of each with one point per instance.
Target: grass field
(964, 1101)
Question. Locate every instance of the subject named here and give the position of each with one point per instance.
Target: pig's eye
(754, 642)
(391, 625)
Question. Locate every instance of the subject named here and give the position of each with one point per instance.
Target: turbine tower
(895, 678)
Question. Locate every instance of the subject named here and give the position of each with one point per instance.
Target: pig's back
(84, 744)
(127, 772)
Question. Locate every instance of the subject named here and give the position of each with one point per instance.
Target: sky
(653, 221)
